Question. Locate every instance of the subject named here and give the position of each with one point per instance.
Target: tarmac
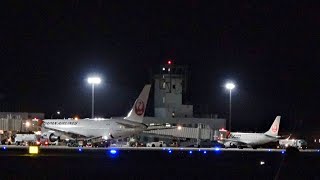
(58, 162)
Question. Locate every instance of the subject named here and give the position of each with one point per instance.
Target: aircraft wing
(235, 140)
(127, 125)
(278, 137)
(69, 133)
(283, 137)
(160, 127)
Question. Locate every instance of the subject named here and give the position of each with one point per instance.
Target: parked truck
(25, 139)
(297, 143)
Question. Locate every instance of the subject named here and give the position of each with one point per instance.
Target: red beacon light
(169, 62)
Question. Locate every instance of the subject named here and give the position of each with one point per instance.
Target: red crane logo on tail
(139, 107)
(274, 128)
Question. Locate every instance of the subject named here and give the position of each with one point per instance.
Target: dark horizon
(270, 50)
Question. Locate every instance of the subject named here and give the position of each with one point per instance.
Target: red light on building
(169, 62)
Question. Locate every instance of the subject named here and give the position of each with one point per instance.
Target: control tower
(170, 88)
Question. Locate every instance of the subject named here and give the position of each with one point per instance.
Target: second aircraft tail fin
(136, 113)
(273, 131)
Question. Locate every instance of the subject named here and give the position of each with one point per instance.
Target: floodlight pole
(230, 109)
(92, 112)
(92, 81)
(230, 86)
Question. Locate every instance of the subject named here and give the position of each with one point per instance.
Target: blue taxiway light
(204, 152)
(282, 152)
(318, 150)
(4, 148)
(112, 151)
(269, 150)
(79, 149)
(170, 151)
(199, 150)
(190, 152)
(217, 149)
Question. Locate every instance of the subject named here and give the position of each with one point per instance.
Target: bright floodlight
(27, 124)
(94, 80)
(58, 112)
(230, 86)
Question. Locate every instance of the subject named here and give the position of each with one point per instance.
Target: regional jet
(240, 140)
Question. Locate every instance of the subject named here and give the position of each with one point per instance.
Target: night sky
(270, 50)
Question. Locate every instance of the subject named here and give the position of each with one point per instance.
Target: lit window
(162, 83)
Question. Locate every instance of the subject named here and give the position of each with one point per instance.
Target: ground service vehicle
(25, 139)
(297, 143)
(156, 144)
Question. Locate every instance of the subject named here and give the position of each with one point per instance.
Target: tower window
(162, 84)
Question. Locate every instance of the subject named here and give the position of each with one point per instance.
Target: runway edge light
(113, 151)
(33, 149)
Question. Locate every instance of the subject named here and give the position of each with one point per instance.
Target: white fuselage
(107, 128)
(250, 138)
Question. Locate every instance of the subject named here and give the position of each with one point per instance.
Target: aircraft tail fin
(273, 131)
(139, 107)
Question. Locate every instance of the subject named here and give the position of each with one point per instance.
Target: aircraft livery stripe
(60, 123)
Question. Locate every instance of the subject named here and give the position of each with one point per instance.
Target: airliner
(241, 140)
(105, 129)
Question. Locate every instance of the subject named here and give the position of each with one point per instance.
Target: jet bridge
(185, 132)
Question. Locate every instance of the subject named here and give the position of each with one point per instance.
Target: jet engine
(54, 138)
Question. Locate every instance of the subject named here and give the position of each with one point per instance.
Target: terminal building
(170, 92)
(13, 122)
(19, 121)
